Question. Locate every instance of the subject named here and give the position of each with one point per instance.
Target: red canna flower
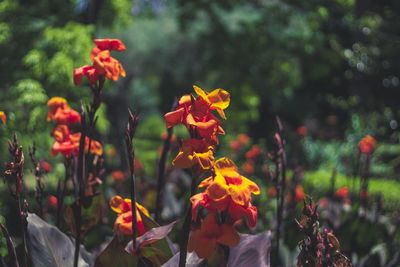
(45, 166)
(235, 146)
(123, 223)
(109, 44)
(52, 202)
(342, 192)
(254, 152)
(195, 152)
(248, 167)
(367, 144)
(243, 139)
(118, 176)
(88, 71)
(271, 192)
(302, 131)
(3, 117)
(204, 241)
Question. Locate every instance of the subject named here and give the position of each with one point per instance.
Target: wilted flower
(123, 223)
(204, 241)
(367, 144)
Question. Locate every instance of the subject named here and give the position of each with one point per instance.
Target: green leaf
(48, 246)
(115, 255)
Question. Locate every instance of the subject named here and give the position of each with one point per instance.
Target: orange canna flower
(102, 62)
(67, 144)
(60, 112)
(55, 103)
(367, 144)
(3, 117)
(196, 114)
(342, 192)
(227, 190)
(195, 152)
(123, 223)
(299, 196)
(218, 99)
(108, 66)
(204, 241)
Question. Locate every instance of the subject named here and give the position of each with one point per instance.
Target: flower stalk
(161, 170)
(14, 177)
(133, 121)
(281, 184)
(38, 172)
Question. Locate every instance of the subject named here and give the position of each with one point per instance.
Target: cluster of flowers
(204, 128)
(103, 64)
(66, 142)
(227, 194)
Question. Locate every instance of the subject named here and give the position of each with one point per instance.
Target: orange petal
(228, 236)
(174, 117)
(197, 200)
(203, 246)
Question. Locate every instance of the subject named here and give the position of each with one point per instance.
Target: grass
(318, 183)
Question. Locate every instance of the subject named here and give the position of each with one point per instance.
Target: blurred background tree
(330, 65)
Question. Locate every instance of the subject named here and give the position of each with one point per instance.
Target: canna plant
(210, 229)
